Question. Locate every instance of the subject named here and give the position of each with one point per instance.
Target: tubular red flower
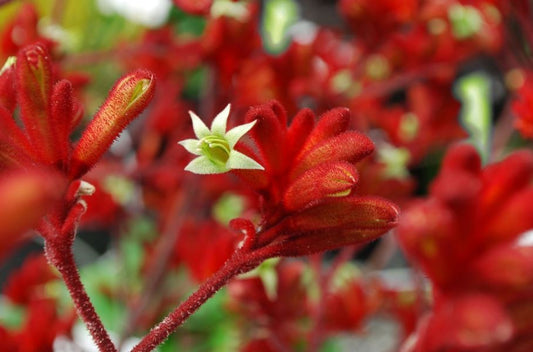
(351, 146)
(34, 80)
(330, 179)
(127, 99)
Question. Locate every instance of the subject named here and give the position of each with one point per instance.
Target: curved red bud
(34, 79)
(127, 99)
(330, 124)
(515, 216)
(269, 135)
(62, 112)
(518, 264)
(462, 157)
(302, 124)
(11, 133)
(349, 146)
(502, 180)
(335, 224)
(8, 93)
(363, 213)
(475, 321)
(329, 179)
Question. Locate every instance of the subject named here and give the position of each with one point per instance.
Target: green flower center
(216, 149)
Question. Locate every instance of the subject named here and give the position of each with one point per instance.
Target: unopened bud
(127, 99)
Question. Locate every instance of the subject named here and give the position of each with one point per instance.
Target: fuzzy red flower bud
(270, 136)
(302, 124)
(12, 138)
(34, 80)
(330, 179)
(330, 124)
(351, 146)
(127, 99)
(470, 322)
(336, 223)
(8, 93)
(62, 113)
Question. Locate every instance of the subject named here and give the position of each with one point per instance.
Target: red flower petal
(350, 146)
(302, 124)
(324, 180)
(330, 124)
(34, 79)
(333, 224)
(506, 267)
(269, 135)
(512, 219)
(8, 94)
(502, 180)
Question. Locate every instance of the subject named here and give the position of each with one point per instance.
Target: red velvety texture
(309, 172)
(464, 237)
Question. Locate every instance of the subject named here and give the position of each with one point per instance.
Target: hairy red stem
(60, 256)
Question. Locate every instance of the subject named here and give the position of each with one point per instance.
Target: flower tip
(10, 62)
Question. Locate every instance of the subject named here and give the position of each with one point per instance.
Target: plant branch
(60, 255)
(237, 264)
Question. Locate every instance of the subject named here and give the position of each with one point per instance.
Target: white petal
(218, 126)
(191, 145)
(200, 129)
(238, 160)
(237, 132)
(202, 165)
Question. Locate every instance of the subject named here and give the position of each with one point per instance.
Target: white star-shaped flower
(215, 146)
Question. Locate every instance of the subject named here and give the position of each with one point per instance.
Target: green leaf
(229, 206)
(474, 92)
(330, 345)
(466, 21)
(278, 17)
(11, 315)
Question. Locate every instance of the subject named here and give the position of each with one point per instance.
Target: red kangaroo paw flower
(12, 134)
(302, 124)
(127, 99)
(269, 135)
(503, 179)
(330, 124)
(473, 321)
(362, 213)
(62, 114)
(514, 217)
(336, 223)
(34, 79)
(518, 264)
(12, 156)
(8, 94)
(329, 179)
(463, 157)
(351, 146)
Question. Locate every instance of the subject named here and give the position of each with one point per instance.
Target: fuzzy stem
(60, 256)
(237, 264)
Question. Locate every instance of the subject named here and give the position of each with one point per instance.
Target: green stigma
(215, 148)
